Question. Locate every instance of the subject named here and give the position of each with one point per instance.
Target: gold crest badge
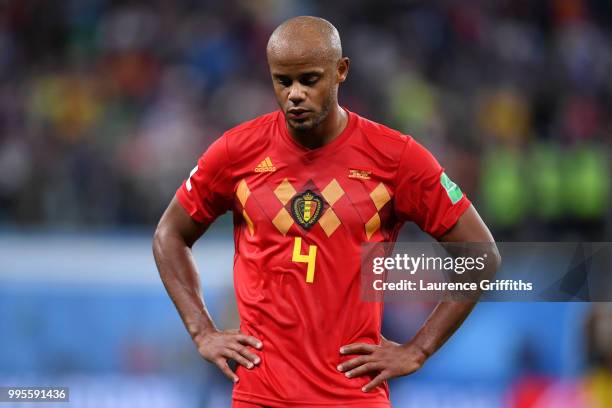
(306, 208)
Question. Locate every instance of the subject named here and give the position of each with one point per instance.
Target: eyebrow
(311, 72)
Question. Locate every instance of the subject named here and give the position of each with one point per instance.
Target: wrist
(417, 352)
(201, 333)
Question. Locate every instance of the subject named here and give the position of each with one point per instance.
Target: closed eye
(309, 79)
(284, 81)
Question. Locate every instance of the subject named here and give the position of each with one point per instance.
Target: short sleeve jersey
(300, 218)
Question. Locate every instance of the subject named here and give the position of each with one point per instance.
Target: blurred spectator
(104, 107)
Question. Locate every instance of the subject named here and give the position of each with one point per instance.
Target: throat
(325, 133)
(311, 140)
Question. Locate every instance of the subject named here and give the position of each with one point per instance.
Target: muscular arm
(447, 316)
(390, 359)
(175, 235)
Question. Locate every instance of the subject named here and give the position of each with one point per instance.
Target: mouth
(297, 113)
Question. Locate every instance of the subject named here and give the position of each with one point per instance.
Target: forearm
(443, 321)
(448, 315)
(180, 277)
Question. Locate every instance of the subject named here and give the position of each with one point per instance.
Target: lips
(297, 113)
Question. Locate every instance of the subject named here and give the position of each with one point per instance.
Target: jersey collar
(332, 146)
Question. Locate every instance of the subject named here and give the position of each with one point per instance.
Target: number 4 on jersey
(308, 259)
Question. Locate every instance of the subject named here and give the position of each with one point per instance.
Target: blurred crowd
(105, 105)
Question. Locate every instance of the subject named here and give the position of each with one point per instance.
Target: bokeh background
(106, 105)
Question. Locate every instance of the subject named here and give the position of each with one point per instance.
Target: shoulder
(389, 142)
(252, 128)
(252, 135)
(403, 154)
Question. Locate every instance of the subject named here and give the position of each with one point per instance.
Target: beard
(315, 120)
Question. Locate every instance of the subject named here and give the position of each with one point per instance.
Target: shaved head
(305, 37)
(307, 66)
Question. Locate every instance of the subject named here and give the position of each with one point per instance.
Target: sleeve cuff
(189, 206)
(451, 217)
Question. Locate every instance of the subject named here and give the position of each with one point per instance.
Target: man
(308, 185)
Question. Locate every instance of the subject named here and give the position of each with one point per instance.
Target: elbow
(496, 256)
(167, 243)
(159, 238)
(162, 251)
(494, 260)
(498, 259)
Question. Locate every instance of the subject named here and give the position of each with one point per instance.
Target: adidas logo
(265, 166)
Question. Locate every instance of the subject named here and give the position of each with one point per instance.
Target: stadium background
(105, 106)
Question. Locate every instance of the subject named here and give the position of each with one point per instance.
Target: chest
(323, 196)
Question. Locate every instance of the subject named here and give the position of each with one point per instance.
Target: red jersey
(300, 217)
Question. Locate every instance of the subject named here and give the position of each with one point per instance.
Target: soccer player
(308, 184)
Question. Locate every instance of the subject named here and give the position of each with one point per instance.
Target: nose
(297, 94)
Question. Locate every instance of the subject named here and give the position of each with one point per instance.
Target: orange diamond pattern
(332, 192)
(380, 196)
(243, 193)
(329, 221)
(249, 223)
(283, 221)
(285, 191)
(372, 225)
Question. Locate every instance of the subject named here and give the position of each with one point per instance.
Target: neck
(325, 132)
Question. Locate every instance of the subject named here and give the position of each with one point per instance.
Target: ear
(342, 69)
